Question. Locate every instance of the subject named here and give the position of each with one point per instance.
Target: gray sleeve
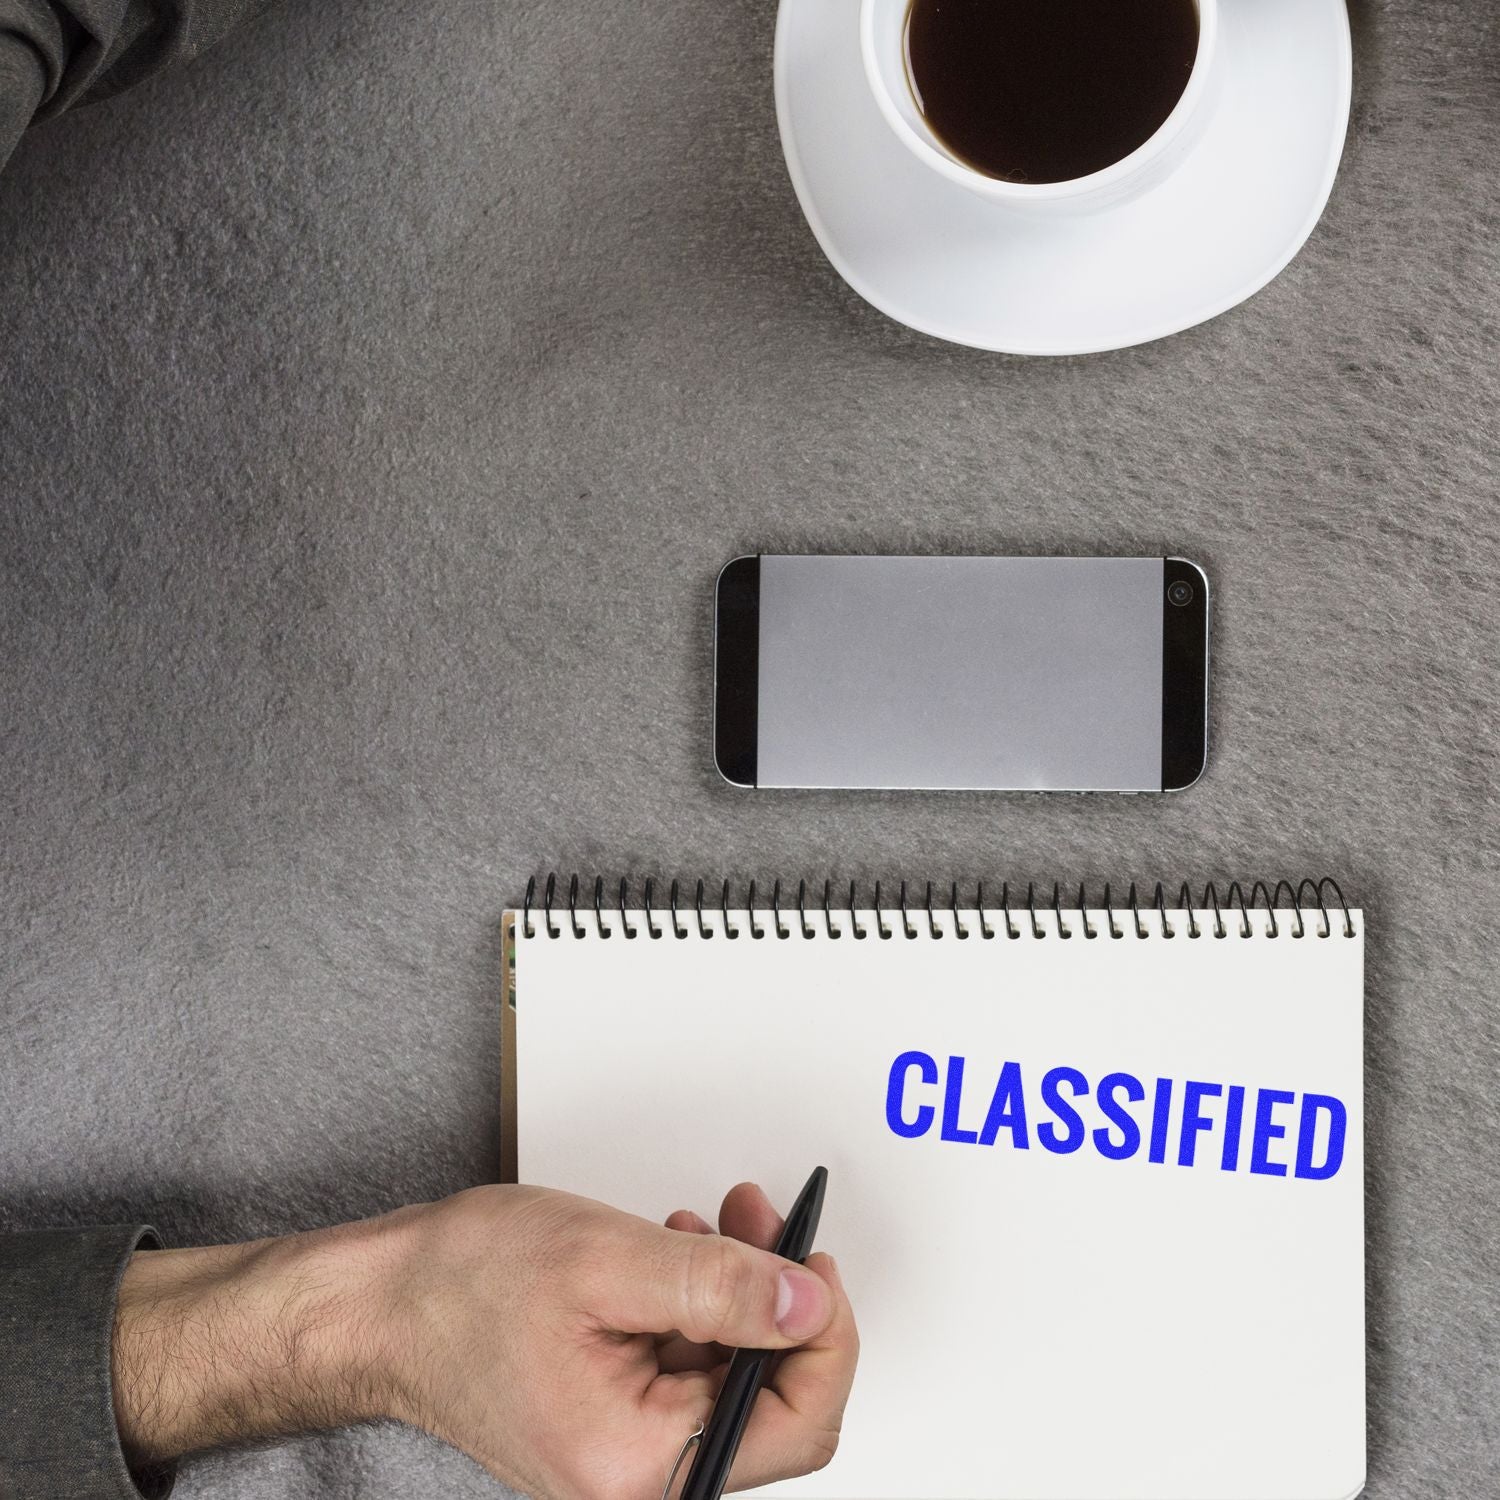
(57, 1415)
(22, 84)
(57, 53)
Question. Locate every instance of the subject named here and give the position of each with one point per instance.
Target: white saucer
(945, 261)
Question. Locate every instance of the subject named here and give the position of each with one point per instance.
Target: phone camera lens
(1180, 593)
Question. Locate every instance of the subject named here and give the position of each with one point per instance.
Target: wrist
(236, 1343)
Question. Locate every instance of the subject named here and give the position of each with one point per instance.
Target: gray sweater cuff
(22, 83)
(57, 1413)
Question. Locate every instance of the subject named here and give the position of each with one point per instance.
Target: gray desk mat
(380, 395)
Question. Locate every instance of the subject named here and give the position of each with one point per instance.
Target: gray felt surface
(380, 396)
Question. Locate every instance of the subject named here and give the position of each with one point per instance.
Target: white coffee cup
(882, 33)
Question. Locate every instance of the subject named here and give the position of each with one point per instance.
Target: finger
(747, 1214)
(797, 1416)
(677, 1404)
(708, 1287)
(795, 1424)
(676, 1355)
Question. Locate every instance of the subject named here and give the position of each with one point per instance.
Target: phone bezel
(1184, 676)
(737, 670)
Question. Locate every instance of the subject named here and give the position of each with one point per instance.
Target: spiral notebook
(1095, 1171)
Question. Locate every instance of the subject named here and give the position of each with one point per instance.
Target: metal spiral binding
(1046, 915)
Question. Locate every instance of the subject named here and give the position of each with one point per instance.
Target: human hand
(568, 1347)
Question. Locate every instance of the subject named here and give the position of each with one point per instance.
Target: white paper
(1034, 1325)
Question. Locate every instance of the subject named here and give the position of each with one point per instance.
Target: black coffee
(1045, 90)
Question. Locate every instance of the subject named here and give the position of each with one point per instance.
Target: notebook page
(1044, 1313)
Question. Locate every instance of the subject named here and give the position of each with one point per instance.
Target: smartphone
(1084, 674)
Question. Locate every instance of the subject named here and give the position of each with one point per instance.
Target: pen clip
(693, 1439)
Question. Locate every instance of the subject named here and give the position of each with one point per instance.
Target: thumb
(711, 1289)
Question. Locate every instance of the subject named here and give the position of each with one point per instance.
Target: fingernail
(802, 1305)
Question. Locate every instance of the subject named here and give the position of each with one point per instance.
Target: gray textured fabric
(380, 396)
(22, 82)
(91, 49)
(57, 1417)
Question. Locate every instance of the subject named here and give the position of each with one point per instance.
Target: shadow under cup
(956, 34)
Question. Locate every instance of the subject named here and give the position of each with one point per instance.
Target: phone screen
(1028, 673)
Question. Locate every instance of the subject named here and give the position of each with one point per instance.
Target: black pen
(749, 1367)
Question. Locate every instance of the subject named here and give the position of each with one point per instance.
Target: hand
(568, 1347)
